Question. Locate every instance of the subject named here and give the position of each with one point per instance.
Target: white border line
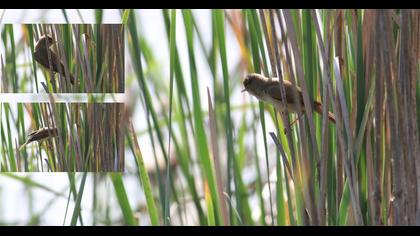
(63, 97)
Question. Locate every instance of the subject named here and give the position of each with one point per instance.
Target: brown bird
(268, 90)
(42, 49)
(39, 135)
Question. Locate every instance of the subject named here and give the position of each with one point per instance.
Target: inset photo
(62, 58)
(62, 137)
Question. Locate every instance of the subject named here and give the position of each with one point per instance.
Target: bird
(42, 49)
(268, 90)
(39, 135)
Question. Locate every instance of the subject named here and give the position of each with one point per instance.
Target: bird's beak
(243, 90)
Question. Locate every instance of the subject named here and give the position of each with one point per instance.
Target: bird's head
(254, 84)
(45, 40)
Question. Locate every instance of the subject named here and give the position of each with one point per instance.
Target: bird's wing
(59, 66)
(33, 132)
(42, 134)
(41, 59)
(41, 56)
(57, 63)
(273, 89)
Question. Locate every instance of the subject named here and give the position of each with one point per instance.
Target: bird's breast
(41, 58)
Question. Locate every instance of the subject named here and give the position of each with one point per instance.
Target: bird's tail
(22, 146)
(63, 74)
(318, 108)
(71, 79)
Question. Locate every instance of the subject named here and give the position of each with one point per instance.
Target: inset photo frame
(62, 58)
(62, 137)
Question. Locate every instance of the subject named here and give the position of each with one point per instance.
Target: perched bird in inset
(39, 135)
(268, 90)
(42, 49)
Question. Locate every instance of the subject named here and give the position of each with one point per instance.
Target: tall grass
(227, 159)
